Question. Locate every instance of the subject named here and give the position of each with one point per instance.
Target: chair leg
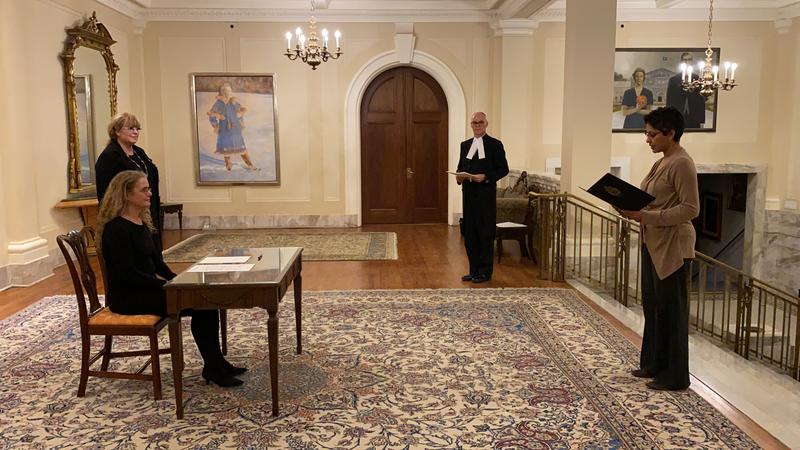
(85, 348)
(155, 366)
(522, 247)
(106, 352)
(223, 327)
(499, 249)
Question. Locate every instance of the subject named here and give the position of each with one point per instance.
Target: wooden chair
(97, 320)
(223, 313)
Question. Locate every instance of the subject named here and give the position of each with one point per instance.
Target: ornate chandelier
(707, 81)
(308, 49)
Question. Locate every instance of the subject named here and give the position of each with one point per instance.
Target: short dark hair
(666, 119)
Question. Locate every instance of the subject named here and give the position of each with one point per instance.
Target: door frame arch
(457, 111)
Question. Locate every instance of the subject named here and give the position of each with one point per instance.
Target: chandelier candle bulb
(337, 35)
(733, 71)
(302, 41)
(325, 37)
(288, 40)
(715, 70)
(683, 72)
(727, 67)
(298, 32)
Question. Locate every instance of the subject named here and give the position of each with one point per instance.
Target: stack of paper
(222, 264)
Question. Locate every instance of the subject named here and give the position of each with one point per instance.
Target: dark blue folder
(620, 194)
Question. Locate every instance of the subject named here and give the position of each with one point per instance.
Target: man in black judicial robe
(692, 105)
(485, 159)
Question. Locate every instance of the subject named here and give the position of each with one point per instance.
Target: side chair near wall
(96, 320)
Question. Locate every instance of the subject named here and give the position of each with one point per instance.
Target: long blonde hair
(113, 204)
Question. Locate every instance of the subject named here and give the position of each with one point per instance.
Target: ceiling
(441, 10)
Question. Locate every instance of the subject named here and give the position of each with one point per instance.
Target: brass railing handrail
(637, 225)
(601, 251)
(583, 200)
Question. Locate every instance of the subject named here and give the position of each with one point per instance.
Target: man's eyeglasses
(477, 123)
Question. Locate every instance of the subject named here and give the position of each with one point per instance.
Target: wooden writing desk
(263, 286)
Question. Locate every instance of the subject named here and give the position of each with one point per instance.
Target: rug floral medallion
(449, 369)
(317, 245)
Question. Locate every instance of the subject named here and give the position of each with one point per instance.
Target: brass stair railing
(749, 316)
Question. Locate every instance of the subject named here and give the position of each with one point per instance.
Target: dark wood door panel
(404, 149)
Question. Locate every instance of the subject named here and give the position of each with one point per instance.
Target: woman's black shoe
(233, 370)
(221, 378)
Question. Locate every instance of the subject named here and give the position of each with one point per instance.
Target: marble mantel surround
(753, 252)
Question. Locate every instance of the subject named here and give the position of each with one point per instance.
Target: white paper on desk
(224, 260)
(221, 268)
(510, 225)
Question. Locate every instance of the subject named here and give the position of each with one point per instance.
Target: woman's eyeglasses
(652, 134)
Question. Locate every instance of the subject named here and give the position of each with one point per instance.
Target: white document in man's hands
(462, 174)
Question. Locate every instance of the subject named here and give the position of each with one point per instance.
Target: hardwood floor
(430, 256)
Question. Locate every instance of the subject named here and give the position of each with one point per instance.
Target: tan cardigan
(667, 221)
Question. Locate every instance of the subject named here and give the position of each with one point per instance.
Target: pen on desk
(260, 256)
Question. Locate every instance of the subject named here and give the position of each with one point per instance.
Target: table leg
(298, 299)
(272, 340)
(180, 222)
(176, 343)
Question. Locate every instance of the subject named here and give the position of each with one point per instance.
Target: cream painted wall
(310, 105)
(754, 123)
(758, 123)
(33, 156)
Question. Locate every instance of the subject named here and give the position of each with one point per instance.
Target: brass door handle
(409, 172)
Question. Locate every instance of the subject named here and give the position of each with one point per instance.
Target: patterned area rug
(317, 246)
(488, 368)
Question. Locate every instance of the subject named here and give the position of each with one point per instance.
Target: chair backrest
(83, 278)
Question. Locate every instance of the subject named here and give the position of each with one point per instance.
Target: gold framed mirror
(88, 62)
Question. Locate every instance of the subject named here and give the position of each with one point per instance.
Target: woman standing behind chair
(668, 247)
(132, 265)
(636, 101)
(122, 153)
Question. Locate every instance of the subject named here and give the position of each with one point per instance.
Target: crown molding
(514, 27)
(681, 15)
(782, 26)
(418, 11)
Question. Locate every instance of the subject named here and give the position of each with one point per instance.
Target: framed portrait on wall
(235, 119)
(711, 215)
(649, 78)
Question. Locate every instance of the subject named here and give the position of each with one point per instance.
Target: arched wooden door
(404, 149)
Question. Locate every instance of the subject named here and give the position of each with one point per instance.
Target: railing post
(796, 369)
(744, 303)
(623, 261)
(557, 272)
(543, 237)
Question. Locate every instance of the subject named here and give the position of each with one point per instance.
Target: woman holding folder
(668, 246)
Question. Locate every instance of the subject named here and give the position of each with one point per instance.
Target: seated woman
(132, 263)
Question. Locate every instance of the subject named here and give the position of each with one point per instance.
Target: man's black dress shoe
(656, 386)
(639, 373)
(467, 277)
(481, 278)
(220, 377)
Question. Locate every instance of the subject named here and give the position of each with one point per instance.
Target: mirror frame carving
(93, 35)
